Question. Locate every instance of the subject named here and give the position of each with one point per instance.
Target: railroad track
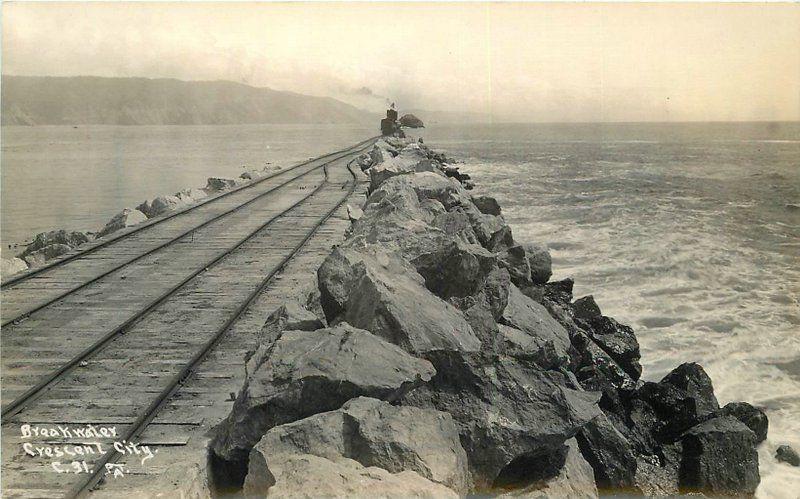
(164, 341)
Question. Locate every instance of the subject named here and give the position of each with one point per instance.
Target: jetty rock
(126, 218)
(785, 454)
(11, 266)
(514, 388)
(285, 382)
(40, 256)
(372, 432)
(72, 239)
(411, 121)
(217, 184)
(160, 205)
(191, 195)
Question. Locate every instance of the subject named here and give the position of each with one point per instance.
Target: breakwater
(437, 358)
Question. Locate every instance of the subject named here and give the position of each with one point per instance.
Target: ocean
(690, 233)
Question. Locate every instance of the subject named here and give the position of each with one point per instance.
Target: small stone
(786, 454)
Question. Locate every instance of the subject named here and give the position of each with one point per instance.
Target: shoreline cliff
(436, 358)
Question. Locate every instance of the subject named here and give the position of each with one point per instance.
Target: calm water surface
(688, 232)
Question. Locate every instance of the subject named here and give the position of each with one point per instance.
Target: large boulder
(411, 121)
(532, 318)
(487, 205)
(121, 220)
(565, 474)
(216, 184)
(303, 373)
(540, 262)
(408, 161)
(398, 307)
(291, 316)
(752, 417)
(454, 268)
(505, 409)
(719, 458)
(610, 456)
(71, 239)
(374, 433)
(40, 256)
(191, 195)
(11, 266)
(161, 204)
(310, 477)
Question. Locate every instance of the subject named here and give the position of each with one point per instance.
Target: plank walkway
(277, 235)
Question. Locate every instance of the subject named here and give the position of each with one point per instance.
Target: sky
(521, 62)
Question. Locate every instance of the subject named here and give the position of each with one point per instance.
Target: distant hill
(84, 100)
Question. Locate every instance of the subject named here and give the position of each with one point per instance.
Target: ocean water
(690, 233)
(56, 177)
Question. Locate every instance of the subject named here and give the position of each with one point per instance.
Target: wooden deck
(148, 333)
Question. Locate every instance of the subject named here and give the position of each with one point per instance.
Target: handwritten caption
(47, 442)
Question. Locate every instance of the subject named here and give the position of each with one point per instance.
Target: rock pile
(411, 121)
(441, 361)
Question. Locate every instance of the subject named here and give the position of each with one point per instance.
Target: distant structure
(389, 125)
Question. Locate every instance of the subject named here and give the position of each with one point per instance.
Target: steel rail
(83, 488)
(177, 238)
(61, 261)
(29, 396)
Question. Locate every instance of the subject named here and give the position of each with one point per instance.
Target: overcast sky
(517, 62)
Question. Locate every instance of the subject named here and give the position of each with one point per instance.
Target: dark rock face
(42, 240)
(487, 205)
(610, 456)
(719, 458)
(504, 409)
(752, 417)
(411, 121)
(540, 262)
(285, 384)
(40, 256)
(786, 454)
(215, 184)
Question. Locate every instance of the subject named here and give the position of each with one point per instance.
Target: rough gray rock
(70, 239)
(719, 458)
(505, 409)
(306, 372)
(408, 161)
(574, 479)
(540, 262)
(487, 205)
(523, 346)
(454, 268)
(398, 307)
(160, 205)
(374, 433)
(11, 266)
(291, 316)
(526, 315)
(753, 417)
(354, 213)
(191, 195)
(121, 220)
(619, 342)
(515, 260)
(312, 477)
(610, 456)
(411, 121)
(40, 256)
(216, 184)
(786, 454)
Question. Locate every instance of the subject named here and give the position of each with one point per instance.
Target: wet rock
(71, 239)
(11, 266)
(487, 205)
(559, 292)
(310, 477)
(216, 184)
(286, 383)
(504, 409)
(125, 218)
(160, 205)
(719, 458)
(42, 255)
(526, 315)
(753, 417)
(692, 379)
(618, 341)
(374, 433)
(411, 121)
(568, 476)
(540, 262)
(786, 454)
(610, 456)
(586, 309)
